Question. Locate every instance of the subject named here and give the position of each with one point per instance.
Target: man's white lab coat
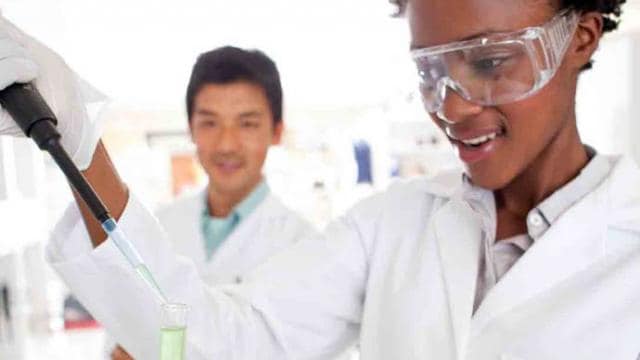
(267, 230)
(399, 272)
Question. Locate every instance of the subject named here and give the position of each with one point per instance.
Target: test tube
(173, 331)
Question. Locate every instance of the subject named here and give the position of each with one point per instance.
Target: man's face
(232, 128)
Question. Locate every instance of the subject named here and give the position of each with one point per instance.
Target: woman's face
(526, 128)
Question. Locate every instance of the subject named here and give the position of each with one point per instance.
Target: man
(234, 107)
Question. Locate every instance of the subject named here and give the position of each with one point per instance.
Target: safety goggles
(497, 69)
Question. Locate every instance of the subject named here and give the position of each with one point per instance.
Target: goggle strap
(559, 35)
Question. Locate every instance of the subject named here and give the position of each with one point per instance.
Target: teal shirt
(216, 230)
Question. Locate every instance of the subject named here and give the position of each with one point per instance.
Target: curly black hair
(611, 11)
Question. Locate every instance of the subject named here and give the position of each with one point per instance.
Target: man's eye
(248, 124)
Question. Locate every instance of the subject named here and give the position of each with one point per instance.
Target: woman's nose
(456, 108)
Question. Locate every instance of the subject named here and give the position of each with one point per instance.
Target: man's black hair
(229, 64)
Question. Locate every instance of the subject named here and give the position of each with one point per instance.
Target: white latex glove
(24, 59)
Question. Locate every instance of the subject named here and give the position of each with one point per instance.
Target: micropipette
(25, 104)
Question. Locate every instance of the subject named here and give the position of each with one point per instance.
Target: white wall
(608, 103)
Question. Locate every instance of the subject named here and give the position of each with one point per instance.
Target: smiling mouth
(228, 166)
(479, 141)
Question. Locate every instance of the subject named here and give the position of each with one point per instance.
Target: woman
(533, 254)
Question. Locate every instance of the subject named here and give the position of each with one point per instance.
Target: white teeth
(480, 140)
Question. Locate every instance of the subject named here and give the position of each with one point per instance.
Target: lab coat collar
(624, 211)
(191, 240)
(249, 230)
(575, 241)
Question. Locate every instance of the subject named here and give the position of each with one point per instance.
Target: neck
(559, 163)
(221, 203)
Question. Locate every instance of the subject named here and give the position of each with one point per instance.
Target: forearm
(262, 318)
(106, 182)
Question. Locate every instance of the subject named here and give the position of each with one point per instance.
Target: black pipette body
(25, 104)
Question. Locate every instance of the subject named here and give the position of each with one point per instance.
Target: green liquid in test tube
(173, 331)
(172, 343)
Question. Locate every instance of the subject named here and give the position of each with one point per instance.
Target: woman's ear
(587, 38)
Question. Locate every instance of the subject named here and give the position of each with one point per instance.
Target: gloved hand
(24, 59)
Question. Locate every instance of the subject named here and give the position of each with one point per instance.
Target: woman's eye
(491, 64)
(488, 65)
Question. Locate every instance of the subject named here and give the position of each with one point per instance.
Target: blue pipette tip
(109, 225)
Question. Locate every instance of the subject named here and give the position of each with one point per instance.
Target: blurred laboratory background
(354, 123)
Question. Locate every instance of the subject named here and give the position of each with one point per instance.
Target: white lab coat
(267, 230)
(399, 271)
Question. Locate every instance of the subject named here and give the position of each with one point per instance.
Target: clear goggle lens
(494, 71)
(488, 75)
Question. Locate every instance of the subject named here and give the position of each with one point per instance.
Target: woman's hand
(25, 60)
(120, 354)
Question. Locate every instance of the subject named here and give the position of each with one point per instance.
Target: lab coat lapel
(248, 231)
(183, 224)
(575, 241)
(194, 234)
(458, 232)
(625, 204)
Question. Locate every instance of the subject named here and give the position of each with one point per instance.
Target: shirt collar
(548, 211)
(540, 219)
(251, 202)
(244, 208)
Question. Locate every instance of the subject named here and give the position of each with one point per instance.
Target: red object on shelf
(81, 324)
